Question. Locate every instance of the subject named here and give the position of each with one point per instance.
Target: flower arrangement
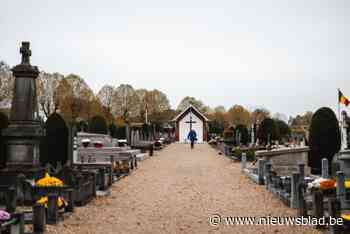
(4, 216)
(49, 181)
(325, 184)
(346, 216)
(86, 142)
(98, 144)
(45, 200)
(322, 184)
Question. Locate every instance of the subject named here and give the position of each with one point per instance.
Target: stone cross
(191, 122)
(26, 52)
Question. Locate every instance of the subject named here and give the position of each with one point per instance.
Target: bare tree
(105, 95)
(126, 102)
(46, 86)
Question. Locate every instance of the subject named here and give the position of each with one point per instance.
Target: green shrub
(121, 132)
(243, 130)
(54, 145)
(237, 152)
(216, 127)
(283, 129)
(112, 130)
(267, 129)
(98, 125)
(324, 138)
(229, 136)
(251, 155)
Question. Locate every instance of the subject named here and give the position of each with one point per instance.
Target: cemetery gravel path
(175, 192)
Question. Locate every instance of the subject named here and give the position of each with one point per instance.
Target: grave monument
(22, 137)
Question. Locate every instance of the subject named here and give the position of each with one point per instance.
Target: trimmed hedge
(243, 130)
(98, 125)
(267, 128)
(325, 139)
(250, 153)
(54, 145)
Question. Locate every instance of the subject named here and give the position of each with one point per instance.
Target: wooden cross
(26, 52)
(190, 122)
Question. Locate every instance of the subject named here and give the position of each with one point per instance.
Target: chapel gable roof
(194, 110)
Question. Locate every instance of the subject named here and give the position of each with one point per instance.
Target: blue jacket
(192, 135)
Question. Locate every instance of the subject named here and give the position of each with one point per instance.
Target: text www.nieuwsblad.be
(216, 220)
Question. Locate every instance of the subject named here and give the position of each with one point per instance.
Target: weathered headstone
(54, 147)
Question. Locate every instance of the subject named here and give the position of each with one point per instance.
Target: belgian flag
(342, 99)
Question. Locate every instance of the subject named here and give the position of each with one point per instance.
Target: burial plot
(54, 146)
(122, 159)
(3, 124)
(136, 139)
(285, 161)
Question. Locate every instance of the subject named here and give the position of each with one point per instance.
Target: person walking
(192, 136)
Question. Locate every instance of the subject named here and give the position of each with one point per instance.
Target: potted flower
(86, 142)
(98, 144)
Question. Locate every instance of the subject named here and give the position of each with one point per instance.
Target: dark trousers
(192, 144)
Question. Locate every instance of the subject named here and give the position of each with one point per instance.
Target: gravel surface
(175, 192)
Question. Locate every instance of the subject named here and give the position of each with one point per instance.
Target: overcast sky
(288, 56)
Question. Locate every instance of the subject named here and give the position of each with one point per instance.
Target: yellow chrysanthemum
(49, 181)
(44, 201)
(347, 184)
(346, 217)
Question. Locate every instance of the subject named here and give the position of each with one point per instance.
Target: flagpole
(338, 106)
(340, 121)
(146, 114)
